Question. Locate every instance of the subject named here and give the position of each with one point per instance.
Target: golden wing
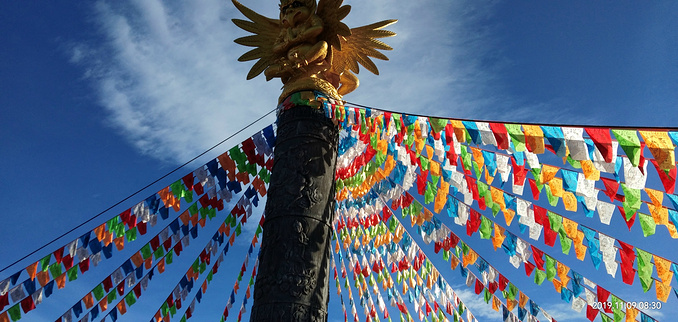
(265, 30)
(360, 46)
(332, 12)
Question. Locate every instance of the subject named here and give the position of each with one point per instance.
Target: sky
(101, 98)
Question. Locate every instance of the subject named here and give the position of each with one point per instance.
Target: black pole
(294, 263)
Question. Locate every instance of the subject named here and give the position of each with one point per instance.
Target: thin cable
(521, 123)
(137, 192)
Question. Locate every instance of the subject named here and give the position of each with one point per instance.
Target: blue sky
(100, 98)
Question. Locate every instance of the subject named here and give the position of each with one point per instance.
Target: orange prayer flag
(434, 168)
(99, 231)
(185, 217)
(61, 281)
(631, 314)
(148, 263)
(119, 243)
(478, 156)
(556, 185)
(202, 222)
(429, 152)
(195, 219)
(103, 304)
(590, 171)
(663, 269)
(661, 147)
(204, 286)
(488, 178)
(672, 230)
(88, 300)
(161, 266)
(659, 214)
(579, 247)
(570, 227)
(562, 273)
(137, 259)
(557, 284)
(231, 240)
(4, 317)
(534, 138)
(510, 304)
(227, 164)
(108, 238)
(570, 201)
(496, 303)
(498, 197)
(32, 270)
(522, 299)
(43, 278)
(509, 214)
(498, 236)
(470, 259)
(243, 177)
(656, 196)
(663, 290)
(454, 262)
(548, 172)
(121, 307)
(157, 317)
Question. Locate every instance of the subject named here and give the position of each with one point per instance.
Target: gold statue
(309, 48)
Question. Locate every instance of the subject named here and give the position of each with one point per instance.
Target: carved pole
(294, 263)
(314, 54)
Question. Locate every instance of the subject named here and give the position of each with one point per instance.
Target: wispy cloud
(167, 73)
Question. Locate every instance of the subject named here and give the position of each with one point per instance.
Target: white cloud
(168, 75)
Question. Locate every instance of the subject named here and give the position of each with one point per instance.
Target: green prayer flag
(73, 273)
(98, 292)
(173, 310)
(159, 253)
(485, 228)
(645, 269)
(446, 255)
(631, 202)
(617, 304)
(477, 169)
(15, 312)
(437, 124)
(238, 230)
(574, 163)
(164, 308)
(464, 248)
(429, 194)
(556, 221)
(121, 231)
(605, 318)
(131, 235)
(416, 207)
(517, 136)
(146, 251)
(424, 163)
(539, 277)
(44, 262)
(195, 266)
(647, 224)
(513, 291)
(193, 209)
(553, 200)
(550, 268)
(565, 242)
(55, 269)
(169, 258)
(628, 139)
(112, 296)
(203, 267)
(130, 299)
(210, 276)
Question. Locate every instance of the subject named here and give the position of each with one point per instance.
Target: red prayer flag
(479, 286)
(538, 256)
(628, 256)
(591, 313)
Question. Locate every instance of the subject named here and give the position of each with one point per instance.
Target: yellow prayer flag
(590, 171)
(663, 290)
(470, 258)
(663, 269)
(454, 262)
(429, 152)
(557, 284)
(656, 196)
(498, 236)
(548, 172)
(534, 138)
(579, 247)
(498, 197)
(570, 227)
(508, 216)
(672, 230)
(562, 273)
(522, 300)
(556, 185)
(434, 168)
(496, 303)
(631, 314)
(478, 156)
(459, 131)
(570, 201)
(661, 147)
(659, 214)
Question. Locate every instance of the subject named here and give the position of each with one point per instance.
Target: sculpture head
(293, 12)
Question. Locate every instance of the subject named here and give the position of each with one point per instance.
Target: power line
(136, 192)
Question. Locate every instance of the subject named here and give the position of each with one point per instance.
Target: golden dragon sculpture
(309, 48)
